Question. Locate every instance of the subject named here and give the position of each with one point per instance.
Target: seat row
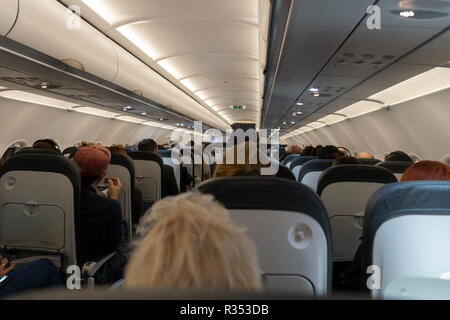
(297, 233)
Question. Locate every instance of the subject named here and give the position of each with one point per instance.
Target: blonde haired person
(190, 242)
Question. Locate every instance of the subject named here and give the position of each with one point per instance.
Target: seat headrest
(271, 193)
(31, 150)
(299, 161)
(266, 193)
(399, 199)
(142, 155)
(284, 172)
(368, 161)
(123, 160)
(354, 173)
(395, 166)
(314, 165)
(290, 157)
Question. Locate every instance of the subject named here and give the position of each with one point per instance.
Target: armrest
(90, 268)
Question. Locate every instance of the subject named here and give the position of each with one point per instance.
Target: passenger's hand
(3, 269)
(114, 188)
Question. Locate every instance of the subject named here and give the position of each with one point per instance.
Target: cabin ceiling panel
(371, 60)
(206, 45)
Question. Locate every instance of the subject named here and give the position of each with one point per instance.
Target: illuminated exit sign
(238, 107)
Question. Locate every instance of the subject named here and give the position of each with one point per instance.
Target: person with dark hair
(169, 185)
(100, 217)
(317, 149)
(46, 144)
(329, 152)
(345, 160)
(398, 156)
(427, 170)
(308, 151)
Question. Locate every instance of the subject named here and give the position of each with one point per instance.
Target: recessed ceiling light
(299, 103)
(316, 94)
(284, 122)
(161, 119)
(44, 85)
(144, 113)
(406, 13)
(314, 89)
(292, 122)
(299, 112)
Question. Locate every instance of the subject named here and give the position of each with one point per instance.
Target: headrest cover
(314, 165)
(144, 155)
(93, 160)
(354, 173)
(368, 161)
(301, 160)
(399, 199)
(395, 166)
(290, 157)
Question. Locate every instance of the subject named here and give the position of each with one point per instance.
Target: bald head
(365, 155)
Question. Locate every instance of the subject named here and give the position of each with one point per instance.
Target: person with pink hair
(100, 216)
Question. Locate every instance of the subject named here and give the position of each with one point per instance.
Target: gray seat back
(406, 235)
(297, 164)
(345, 190)
(310, 172)
(287, 161)
(39, 206)
(149, 174)
(122, 167)
(396, 167)
(289, 225)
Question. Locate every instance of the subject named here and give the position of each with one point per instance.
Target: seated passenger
(317, 149)
(231, 168)
(292, 149)
(329, 152)
(427, 170)
(190, 242)
(100, 217)
(169, 185)
(308, 151)
(47, 144)
(38, 274)
(345, 160)
(344, 152)
(398, 156)
(365, 155)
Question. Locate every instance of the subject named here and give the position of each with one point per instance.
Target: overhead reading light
(144, 113)
(292, 122)
(44, 85)
(316, 94)
(314, 89)
(299, 103)
(406, 14)
(299, 112)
